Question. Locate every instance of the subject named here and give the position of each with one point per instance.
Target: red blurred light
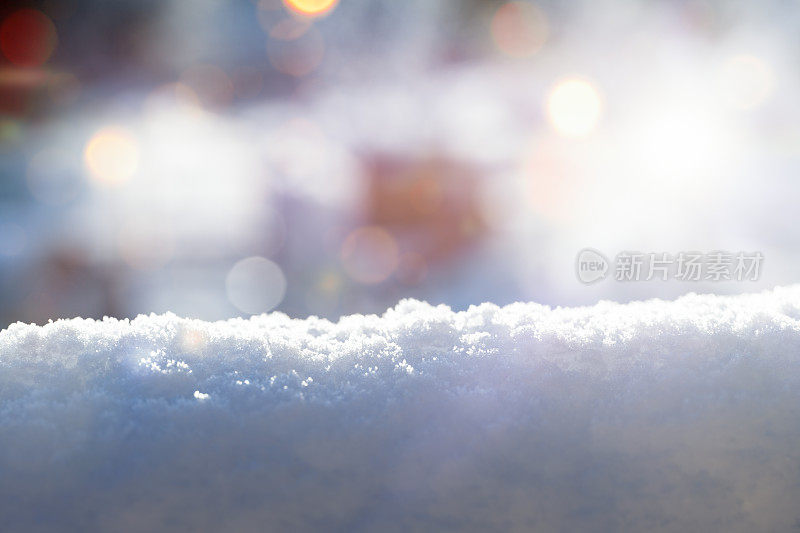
(519, 29)
(27, 37)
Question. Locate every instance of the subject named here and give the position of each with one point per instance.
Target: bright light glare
(677, 144)
(675, 158)
(314, 8)
(199, 175)
(574, 107)
(112, 156)
(683, 147)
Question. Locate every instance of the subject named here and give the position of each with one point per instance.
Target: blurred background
(218, 158)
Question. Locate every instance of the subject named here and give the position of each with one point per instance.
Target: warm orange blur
(314, 8)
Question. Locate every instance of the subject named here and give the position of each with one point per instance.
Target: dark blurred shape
(430, 204)
(28, 39)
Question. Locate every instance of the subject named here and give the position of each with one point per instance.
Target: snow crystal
(658, 416)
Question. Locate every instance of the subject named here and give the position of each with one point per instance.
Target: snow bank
(659, 416)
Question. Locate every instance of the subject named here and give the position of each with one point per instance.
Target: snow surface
(658, 416)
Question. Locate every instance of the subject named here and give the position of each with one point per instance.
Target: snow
(658, 416)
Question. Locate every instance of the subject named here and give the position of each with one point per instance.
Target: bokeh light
(28, 37)
(112, 156)
(255, 285)
(574, 107)
(369, 254)
(747, 81)
(519, 29)
(311, 8)
(479, 144)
